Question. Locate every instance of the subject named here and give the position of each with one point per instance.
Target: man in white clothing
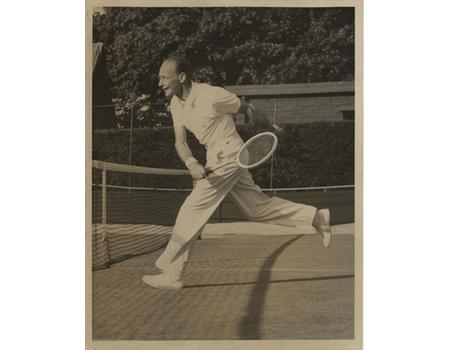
(208, 112)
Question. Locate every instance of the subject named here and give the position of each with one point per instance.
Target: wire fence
(145, 115)
(135, 116)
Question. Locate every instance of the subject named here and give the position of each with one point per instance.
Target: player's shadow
(250, 324)
(249, 327)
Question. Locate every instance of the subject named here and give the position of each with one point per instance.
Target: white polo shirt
(207, 113)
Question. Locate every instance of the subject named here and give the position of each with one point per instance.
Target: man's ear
(182, 77)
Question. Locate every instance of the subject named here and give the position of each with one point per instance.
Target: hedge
(310, 154)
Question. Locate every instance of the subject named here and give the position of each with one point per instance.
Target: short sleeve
(225, 101)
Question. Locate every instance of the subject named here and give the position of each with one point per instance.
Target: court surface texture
(237, 286)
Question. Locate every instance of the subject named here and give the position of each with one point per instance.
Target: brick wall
(300, 103)
(304, 109)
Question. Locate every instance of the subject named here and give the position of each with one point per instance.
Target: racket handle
(208, 172)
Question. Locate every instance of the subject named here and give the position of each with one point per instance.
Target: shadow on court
(250, 324)
(237, 287)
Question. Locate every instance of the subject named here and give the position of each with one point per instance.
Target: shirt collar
(191, 97)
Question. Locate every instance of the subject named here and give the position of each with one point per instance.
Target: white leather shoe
(163, 281)
(323, 226)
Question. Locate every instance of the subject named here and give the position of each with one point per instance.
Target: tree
(227, 45)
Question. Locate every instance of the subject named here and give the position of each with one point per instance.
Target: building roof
(293, 89)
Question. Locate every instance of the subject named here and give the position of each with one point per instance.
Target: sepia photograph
(224, 177)
(225, 174)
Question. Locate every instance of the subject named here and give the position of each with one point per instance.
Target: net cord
(137, 169)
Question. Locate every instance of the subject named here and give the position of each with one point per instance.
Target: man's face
(169, 80)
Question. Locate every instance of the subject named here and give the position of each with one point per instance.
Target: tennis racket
(255, 151)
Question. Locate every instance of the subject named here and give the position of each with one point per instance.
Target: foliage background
(228, 46)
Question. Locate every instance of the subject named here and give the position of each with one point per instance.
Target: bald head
(175, 76)
(181, 65)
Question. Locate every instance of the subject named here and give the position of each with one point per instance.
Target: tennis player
(208, 112)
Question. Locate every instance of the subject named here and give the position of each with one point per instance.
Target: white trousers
(208, 193)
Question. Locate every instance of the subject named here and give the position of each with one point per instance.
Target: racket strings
(256, 151)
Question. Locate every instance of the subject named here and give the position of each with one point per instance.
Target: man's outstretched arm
(257, 117)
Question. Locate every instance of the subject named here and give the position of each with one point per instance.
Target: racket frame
(250, 141)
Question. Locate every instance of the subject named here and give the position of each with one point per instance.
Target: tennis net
(133, 209)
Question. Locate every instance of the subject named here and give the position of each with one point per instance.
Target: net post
(271, 171)
(103, 204)
(130, 154)
(273, 155)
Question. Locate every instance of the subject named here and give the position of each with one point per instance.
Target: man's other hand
(197, 170)
(277, 130)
